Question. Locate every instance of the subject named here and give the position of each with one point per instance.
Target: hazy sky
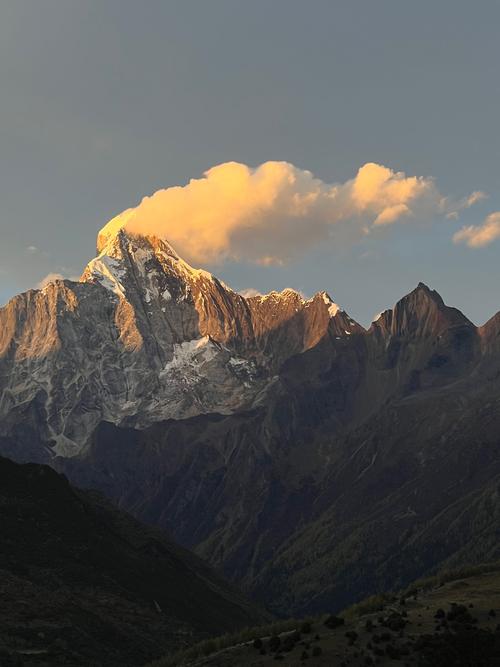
(104, 102)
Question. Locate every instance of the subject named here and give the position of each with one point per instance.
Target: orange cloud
(276, 211)
(478, 236)
(391, 214)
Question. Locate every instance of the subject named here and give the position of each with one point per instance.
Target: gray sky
(103, 102)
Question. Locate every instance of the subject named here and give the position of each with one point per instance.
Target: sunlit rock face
(144, 337)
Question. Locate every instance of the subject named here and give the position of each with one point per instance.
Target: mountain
(85, 584)
(311, 461)
(141, 338)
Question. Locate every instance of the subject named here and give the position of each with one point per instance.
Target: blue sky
(105, 102)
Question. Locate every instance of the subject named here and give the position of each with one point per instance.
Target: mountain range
(310, 460)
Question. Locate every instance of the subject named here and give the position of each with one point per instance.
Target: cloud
(478, 236)
(474, 197)
(49, 278)
(276, 212)
(33, 250)
(249, 292)
(391, 214)
(466, 202)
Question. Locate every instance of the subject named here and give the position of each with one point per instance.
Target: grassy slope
(471, 639)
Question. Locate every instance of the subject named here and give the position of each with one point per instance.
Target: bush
(333, 622)
(274, 643)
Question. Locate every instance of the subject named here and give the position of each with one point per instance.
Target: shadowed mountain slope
(84, 584)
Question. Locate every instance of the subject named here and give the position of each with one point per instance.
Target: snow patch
(108, 271)
(65, 447)
(141, 256)
(333, 308)
(190, 354)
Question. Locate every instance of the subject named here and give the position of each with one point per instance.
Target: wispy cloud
(49, 278)
(249, 292)
(478, 236)
(474, 198)
(466, 202)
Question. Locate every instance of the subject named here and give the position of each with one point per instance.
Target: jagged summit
(421, 312)
(128, 263)
(126, 258)
(117, 243)
(112, 229)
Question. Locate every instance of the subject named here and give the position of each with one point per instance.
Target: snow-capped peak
(111, 229)
(109, 267)
(127, 260)
(333, 308)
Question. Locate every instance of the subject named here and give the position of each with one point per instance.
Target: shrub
(274, 643)
(333, 622)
